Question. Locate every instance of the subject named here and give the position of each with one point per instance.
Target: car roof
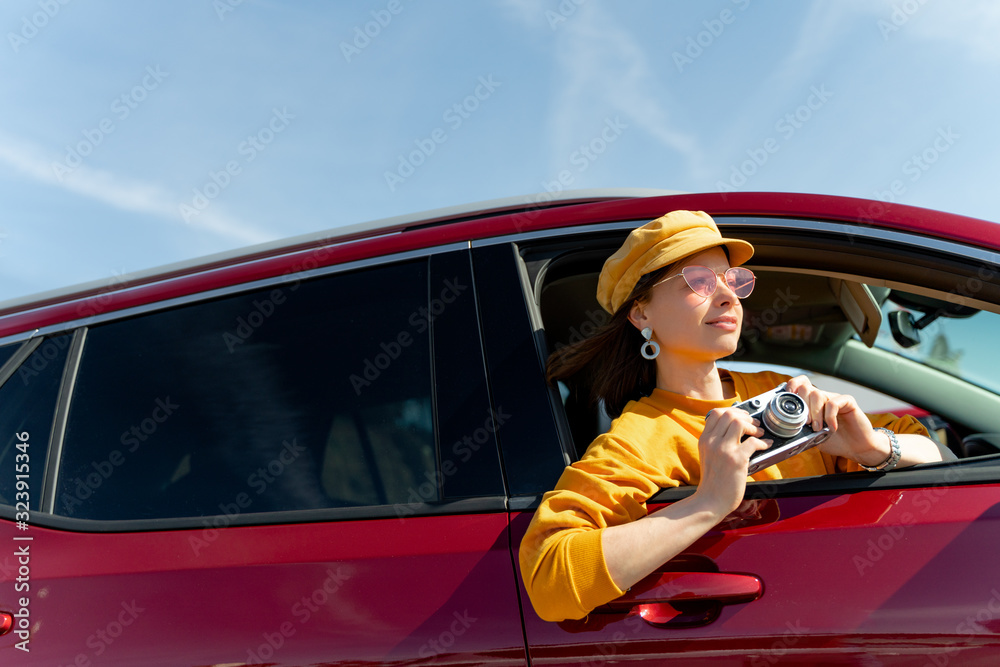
(337, 235)
(464, 223)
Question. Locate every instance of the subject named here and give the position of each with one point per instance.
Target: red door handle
(722, 587)
(685, 598)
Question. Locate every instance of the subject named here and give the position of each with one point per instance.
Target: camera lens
(786, 414)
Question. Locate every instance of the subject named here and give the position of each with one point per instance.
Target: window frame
(896, 253)
(493, 503)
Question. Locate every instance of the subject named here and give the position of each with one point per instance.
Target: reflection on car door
(248, 499)
(900, 574)
(841, 569)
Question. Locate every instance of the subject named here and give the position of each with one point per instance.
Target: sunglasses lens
(701, 279)
(741, 281)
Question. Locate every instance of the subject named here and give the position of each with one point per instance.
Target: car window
(954, 339)
(29, 400)
(313, 394)
(7, 351)
(802, 320)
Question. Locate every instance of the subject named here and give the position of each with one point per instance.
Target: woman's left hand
(851, 432)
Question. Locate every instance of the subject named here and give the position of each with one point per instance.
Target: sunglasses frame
(715, 285)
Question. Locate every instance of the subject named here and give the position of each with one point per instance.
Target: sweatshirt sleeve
(561, 557)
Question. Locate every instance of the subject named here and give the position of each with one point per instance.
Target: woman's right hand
(632, 550)
(725, 456)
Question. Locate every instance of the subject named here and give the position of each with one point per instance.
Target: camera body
(784, 416)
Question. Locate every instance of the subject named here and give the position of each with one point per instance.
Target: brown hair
(609, 361)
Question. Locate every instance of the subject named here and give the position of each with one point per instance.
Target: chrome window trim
(966, 252)
(19, 357)
(19, 337)
(556, 232)
(792, 224)
(495, 504)
(965, 472)
(60, 418)
(284, 278)
(366, 231)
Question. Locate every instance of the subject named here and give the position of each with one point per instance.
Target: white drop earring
(647, 353)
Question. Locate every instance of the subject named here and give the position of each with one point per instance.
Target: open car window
(829, 317)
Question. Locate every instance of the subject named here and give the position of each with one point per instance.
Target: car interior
(819, 305)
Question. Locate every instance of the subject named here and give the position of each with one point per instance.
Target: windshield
(961, 346)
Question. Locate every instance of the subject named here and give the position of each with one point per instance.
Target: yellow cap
(656, 244)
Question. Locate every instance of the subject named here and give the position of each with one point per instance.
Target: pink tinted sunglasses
(703, 280)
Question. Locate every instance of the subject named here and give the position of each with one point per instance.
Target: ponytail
(609, 361)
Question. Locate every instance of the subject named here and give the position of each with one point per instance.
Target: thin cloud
(123, 194)
(971, 25)
(603, 72)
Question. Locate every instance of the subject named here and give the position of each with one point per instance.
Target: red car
(326, 451)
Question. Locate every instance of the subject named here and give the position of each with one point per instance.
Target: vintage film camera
(784, 416)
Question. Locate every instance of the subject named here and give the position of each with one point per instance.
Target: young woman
(674, 291)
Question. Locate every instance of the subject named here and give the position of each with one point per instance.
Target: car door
(829, 578)
(840, 569)
(299, 471)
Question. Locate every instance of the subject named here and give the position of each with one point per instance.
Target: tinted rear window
(29, 401)
(308, 395)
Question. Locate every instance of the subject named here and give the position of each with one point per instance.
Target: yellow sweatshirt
(652, 445)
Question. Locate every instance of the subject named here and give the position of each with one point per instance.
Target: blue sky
(135, 134)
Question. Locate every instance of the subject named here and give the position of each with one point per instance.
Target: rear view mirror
(906, 330)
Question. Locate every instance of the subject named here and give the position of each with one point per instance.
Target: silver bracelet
(894, 454)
